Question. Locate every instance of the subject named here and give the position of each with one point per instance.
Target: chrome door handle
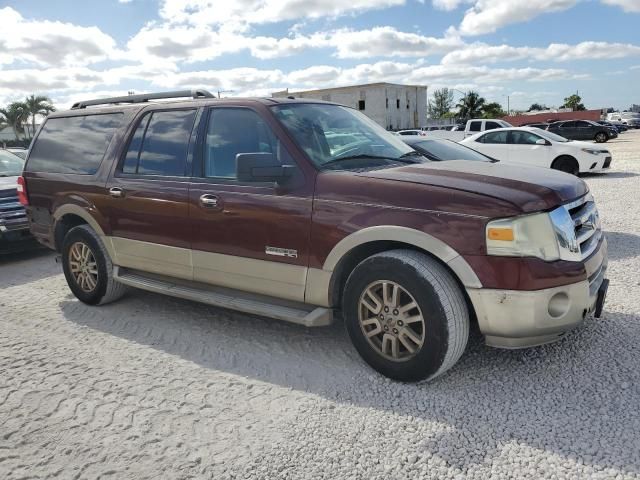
(208, 200)
(116, 192)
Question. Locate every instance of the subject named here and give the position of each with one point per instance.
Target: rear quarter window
(73, 144)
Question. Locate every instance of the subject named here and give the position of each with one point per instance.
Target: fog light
(558, 305)
(593, 166)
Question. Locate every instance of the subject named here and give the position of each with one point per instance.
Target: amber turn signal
(505, 234)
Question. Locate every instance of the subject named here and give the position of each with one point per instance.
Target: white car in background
(535, 147)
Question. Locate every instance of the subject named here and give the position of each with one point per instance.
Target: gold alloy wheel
(391, 320)
(83, 266)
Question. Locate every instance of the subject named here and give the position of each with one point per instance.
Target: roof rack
(144, 97)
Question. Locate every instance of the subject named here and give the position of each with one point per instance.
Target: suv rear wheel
(406, 315)
(88, 268)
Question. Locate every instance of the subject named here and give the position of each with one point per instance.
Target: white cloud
(559, 52)
(487, 16)
(263, 11)
(448, 5)
(626, 5)
(51, 43)
(389, 42)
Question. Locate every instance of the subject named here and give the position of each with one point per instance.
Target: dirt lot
(154, 387)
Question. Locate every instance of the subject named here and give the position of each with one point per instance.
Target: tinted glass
(474, 126)
(567, 125)
(495, 137)
(447, 150)
(232, 131)
(491, 125)
(523, 138)
(73, 144)
(165, 143)
(10, 164)
(130, 164)
(583, 124)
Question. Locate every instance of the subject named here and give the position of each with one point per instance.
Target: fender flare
(320, 280)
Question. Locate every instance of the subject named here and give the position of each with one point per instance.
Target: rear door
(493, 144)
(584, 130)
(148, 203)
(524, 150)
(567, 130)
(246, 235)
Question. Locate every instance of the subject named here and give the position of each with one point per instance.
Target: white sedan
(535, 147)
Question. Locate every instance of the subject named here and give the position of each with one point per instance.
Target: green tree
(535, 107)
(574, 102)
(493, 110)
(15, 116)
(471, 105)
(442, 103)
(35, 105)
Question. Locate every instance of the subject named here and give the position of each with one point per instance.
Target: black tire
(441, 302)
(601, 137)
(106, 288)
(566, 164)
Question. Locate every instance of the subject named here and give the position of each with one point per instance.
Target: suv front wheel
(406, 315)
(88, 268)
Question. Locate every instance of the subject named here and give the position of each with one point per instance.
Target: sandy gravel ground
(153, 387)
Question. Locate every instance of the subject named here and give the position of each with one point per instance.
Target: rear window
(73, 144)
(475, 126)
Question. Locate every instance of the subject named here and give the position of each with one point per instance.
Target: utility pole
(508, 106)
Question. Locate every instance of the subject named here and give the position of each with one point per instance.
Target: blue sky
(531, 51)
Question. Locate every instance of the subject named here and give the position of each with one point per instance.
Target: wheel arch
(325, 286)
(564, 156)
(71, 215)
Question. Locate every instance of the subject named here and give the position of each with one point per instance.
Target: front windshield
(10, 164)
(550, 135)
(339, 137)
(448, 150)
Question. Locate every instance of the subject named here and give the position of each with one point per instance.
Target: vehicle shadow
(491, 398)
(610, 175)
(623, 245)
(28, 266)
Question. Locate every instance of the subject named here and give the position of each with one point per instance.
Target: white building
(394, 106)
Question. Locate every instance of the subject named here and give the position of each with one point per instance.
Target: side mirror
(261, 167)
(542, 141)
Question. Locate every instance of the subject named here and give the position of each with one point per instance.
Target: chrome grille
(586, 221)
(12, 214)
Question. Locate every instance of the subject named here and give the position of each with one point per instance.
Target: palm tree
(471, 105)
(37, 105)
(15, 115)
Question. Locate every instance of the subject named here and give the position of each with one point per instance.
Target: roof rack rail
(144, 97)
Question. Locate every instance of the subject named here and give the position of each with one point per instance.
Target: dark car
(265, 206)
(14, 226)
(615, 126)
(540, 125)
(438, 150)
(582, 130)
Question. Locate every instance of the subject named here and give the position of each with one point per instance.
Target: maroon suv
(298, 210)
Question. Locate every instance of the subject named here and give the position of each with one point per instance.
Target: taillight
(22, 192)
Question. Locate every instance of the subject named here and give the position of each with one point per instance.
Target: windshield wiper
(368, 157)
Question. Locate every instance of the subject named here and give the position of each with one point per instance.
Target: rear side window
(474, 126)
(73, 144)
(160, 144)
(491, 125)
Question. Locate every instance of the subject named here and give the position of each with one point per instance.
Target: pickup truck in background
(472, 127)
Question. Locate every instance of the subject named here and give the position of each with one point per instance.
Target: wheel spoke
(374, 307)
(75, 266)
(408, 307)
(91, 282)
(390, 294)
(374, 331)
(411, 335)
(413, 319)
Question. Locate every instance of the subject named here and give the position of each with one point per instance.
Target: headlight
(526, 236)
(592, 151)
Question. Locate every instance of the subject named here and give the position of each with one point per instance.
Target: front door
(148, 203)
(248, 236)
(524, 150)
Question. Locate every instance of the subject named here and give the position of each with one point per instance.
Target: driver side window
(523, 138)
(231, 131)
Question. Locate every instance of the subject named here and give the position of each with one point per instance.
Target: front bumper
(16, 238)
(518, 319)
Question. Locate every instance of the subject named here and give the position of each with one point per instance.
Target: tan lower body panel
(275, 279)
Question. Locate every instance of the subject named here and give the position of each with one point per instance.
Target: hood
(8, 183)
(579, 144)
(528, 188)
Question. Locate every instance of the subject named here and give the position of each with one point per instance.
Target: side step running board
(299, 313)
